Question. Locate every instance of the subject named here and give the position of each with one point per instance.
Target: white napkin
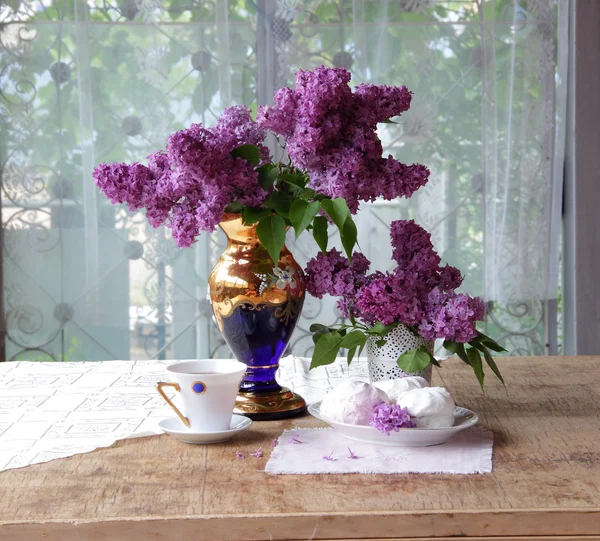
(470, 451)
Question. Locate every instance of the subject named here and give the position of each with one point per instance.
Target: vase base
(270, 406)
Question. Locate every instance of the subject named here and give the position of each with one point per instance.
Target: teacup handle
(159, 387)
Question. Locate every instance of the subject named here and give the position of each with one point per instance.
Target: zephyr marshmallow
(395, 387)
(352, 402)
(430, 407)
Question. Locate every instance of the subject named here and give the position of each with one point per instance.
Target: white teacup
(208, 389)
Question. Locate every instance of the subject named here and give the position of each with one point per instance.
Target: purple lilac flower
(388, 417)
(360, 264)
(258, 453)
(236, 128)
(274, 443)
(417, 292)
(158, 197)
(189, 185)
(413, 249)
(183, 223)
(450, 278)
(389, 101)
(345, 306)
(332, 274)
(239, 455)
(331, 132)
(294, 439)
(390, 298)
(352, 455)
(122, 183)
(452, 316)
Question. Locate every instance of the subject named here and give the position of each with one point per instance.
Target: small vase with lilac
(399, 314)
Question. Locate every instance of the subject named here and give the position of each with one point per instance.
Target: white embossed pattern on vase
(382, 360)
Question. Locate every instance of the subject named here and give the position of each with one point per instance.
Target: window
(99, 81)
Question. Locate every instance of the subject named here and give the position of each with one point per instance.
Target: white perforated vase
(382, 360)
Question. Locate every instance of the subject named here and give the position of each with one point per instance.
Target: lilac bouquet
(335, 162)
(330, 136)
(418, 293)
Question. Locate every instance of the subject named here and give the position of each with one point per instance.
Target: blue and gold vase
(257, 305)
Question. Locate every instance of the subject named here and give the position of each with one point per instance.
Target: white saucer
(174, 427)
(405, 437)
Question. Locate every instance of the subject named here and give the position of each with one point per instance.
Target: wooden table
(546, 479)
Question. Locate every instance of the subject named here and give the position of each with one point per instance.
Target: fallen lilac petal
(352, 455)
(239, 455)
(294, 439)
(274, 443)
(258, 453)
(330, 457)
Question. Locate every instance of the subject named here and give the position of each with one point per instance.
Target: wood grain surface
(545, 483)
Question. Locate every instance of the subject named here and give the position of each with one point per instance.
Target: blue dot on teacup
(198, 387)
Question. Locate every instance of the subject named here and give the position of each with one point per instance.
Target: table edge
(261, 527)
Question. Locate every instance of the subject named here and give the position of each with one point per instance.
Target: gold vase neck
(236, 231)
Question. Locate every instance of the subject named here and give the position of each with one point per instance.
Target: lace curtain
(84, 82)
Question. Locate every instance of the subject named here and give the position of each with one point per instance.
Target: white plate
(174, 427)
(405, 437)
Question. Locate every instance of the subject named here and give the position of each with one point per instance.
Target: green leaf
(488, 342)
(389, 121)
(433, 360)
(492, 364)
(493, 345)
(457, 349)
(280, 202)
(413, 329)
(267, 175)
(251, 215)
(302, 214)
(351, 354)
(295, 180)
(250, 153)
(361, 349)
(234, 207)
(353, 339)
(271, 233)
(414, 360)
(317, 336)
(380, 329)
(348, 234)
(308, 193)
(317, 327)
(474, 359)
(461, 352)
(451, 346)
(318, 330)
(320, 232)
(326, 349)
(489, 360)
(337, 210)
